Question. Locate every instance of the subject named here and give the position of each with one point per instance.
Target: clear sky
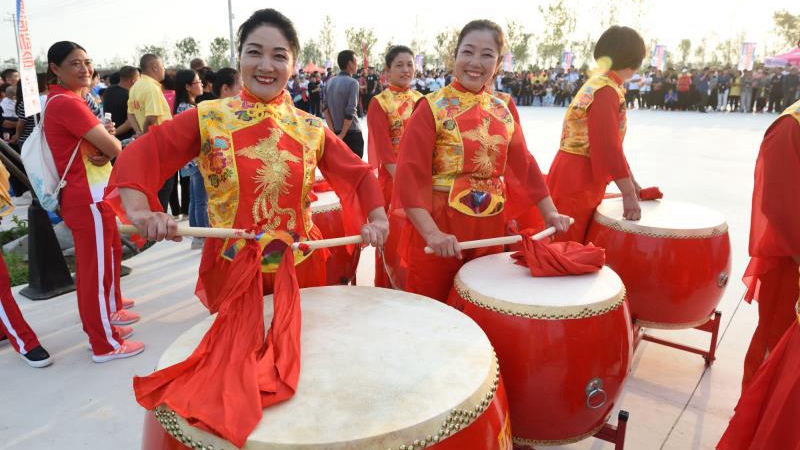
(112, 29)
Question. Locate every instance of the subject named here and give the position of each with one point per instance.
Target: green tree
(157, 50)
(684, 47)
(518, 42)
(701, 52)
(446, 48)
(787, 26)
(360, 41)
(559, 22)
(326, 41)
(584, 50)
(186, 49)
(311, 53)
(219, 55)
(419, 43)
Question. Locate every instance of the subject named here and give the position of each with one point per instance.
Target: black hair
(127, 73)
(224, 77)
(623, 46)
(394, 51)
(168, 83)
(273, 18)
(182, 78)
(484, 25)
(56, 54)
(20, 97)
(146, 60)
(4, 74)
(41, 80)
(344, 58)
(113, 79)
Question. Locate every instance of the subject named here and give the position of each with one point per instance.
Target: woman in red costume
(462, 159)
(591, 152)
(257, 154)
(772, 275)
(387, 116)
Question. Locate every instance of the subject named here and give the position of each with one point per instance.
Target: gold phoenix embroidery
(271, 179)
(487, 153)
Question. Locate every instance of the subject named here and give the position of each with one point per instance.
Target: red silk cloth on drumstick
(650, 193)
(558, 258)
(236, 370)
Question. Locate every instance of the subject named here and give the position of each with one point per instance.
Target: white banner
(27, 63)
(747, 56)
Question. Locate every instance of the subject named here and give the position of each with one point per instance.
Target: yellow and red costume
(509, 100)
(258, 162)
(462, 158)
(590, 154)
(772, 275)
(387, 118)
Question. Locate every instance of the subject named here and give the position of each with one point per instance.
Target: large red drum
(326, 213)
(380, 369)
(674, 261)
(564, 344)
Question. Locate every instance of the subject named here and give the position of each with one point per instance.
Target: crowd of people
(452, 166)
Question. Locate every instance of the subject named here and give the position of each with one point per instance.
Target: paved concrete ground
(674, 401)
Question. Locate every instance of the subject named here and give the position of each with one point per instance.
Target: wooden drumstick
(327, 243)
(505, 240)
(220, 233)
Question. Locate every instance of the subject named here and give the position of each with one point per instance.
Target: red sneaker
(124, 317)
(124, 334)
(127, 303)
(126, 350)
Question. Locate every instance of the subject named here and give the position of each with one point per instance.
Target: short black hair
(223, 77)
(623, 46)
(344, 57)
(113, 79)
(4, 74)
(394, 51)
(127, 72)
(272, 18)
(146, 60)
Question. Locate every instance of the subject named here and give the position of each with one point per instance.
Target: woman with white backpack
(82, 147)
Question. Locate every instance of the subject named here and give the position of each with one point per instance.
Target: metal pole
(230, 28)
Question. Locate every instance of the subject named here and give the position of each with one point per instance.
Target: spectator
(341, 102)
(116, 101)
(227, 83)
(747, 87)
(702, 87)
(684, 87)
(8, 104)
(735, 92)
(723, 89)
(789, 84)
(314, 97)
(775, 95)
(197, 64)
(671, 99)
(10, 76)
(208, 76)
(187, 88)
(373, 87)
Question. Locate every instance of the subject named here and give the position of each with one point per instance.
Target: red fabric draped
(558, 258)
(650, 193)
(766, 415)
(236, 371)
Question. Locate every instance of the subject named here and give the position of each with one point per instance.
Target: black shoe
(38, 357)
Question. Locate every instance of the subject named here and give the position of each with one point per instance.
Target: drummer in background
(387, 116)
(772, 275)
(257, 154)
(462, 160)
(591, 152)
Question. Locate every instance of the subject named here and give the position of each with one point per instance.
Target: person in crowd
(197, 64)
(227, 83)
(232, 138)
(314, 95)
(591, 153)
(340, 104)
(373, 87)
(775, 91)
(10, 76)
(116, 101)
(790, 85)
(684, 89)
(702, 86)
(208, 76)
(671, 99)
(747, 86)
(723, 89)
(448, 196)
(8, 105)
(70, 127)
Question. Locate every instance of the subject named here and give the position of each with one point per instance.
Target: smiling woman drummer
(257, 154)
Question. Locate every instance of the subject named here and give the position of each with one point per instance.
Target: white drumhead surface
(325, 201)
(379, 368)
(664, 217)
(497, 277)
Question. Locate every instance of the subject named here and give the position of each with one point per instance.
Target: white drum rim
(430, 432)
(320, 208)
(635, 227)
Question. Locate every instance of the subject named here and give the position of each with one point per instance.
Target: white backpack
(41, 167)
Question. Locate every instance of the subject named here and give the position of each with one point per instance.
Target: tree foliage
(446, 48)
(360, 41)
(685, 47)
(326, 41)
(518, 42)
(219, 53)
(311, 53)
(787, 26)
(559, 22)
(157, 50)
(186, 49)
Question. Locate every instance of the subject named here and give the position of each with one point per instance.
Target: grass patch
(19, 229)
(17, 268)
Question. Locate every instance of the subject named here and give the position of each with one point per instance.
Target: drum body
(674, 262)
(405, 372)
(342, 261)
(564, 344)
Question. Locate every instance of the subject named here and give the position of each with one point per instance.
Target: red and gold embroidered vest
(575, 132)
(398, 106)
(258, 161)
(472, 136)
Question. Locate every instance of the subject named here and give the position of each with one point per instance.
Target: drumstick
(220, 233)
(327, 243)
(505, 240)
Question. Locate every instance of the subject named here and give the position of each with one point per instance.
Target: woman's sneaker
(127, 303)
(38, 357)
(124, 317)
(123, 332)
(126, 350)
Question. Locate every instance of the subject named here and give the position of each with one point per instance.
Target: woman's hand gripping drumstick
(504, 240)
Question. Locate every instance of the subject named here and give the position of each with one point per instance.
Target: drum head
(326, 201)
(495, 282)
(664, 218)
(380, 369)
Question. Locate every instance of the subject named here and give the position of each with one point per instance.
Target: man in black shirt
(373, 87)
(314, 97)
(115, 101)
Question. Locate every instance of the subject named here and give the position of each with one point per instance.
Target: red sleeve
(352, 180)
(513, 108)
(379, 143)
(608, 159)
(149, 160)
(524, 181)
(775, 219)
(413, 187)
(71, 114)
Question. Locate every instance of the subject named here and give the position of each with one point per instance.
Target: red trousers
(382, 278)
(12, 324)
(98, 257)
